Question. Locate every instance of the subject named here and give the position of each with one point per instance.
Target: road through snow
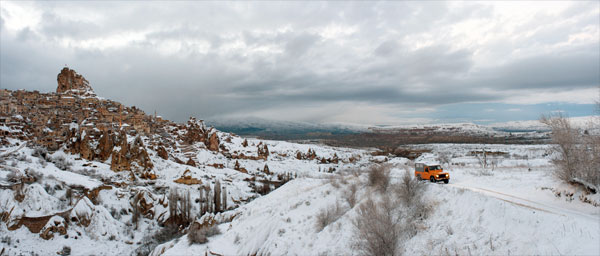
(517, 200)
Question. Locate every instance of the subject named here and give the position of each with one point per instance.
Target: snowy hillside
(66, 201)
(514, 209)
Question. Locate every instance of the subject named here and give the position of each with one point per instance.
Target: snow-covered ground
(511, 210)
(513, 206)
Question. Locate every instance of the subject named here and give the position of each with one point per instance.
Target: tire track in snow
(527, 203)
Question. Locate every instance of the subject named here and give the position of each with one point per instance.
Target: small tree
(578, 159)
(224, 203)
(217, 196)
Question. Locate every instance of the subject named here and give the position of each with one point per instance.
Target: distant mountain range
(251, 126)
(274, 129)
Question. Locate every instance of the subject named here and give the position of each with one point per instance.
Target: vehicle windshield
(434, 167)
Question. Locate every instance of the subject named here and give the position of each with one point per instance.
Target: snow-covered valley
(512, 206)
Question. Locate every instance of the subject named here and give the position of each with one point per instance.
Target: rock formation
(69, 82)
(213, 142)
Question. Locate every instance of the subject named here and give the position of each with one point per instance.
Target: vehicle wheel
(431, 179)
(418, 177)
(446, 181)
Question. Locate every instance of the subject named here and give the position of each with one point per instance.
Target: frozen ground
(513, 209)
(513, 206)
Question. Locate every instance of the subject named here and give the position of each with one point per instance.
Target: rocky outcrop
(162, 153)
(69, 82)
(105, 146)
(239, 168)
(191, 162)
(213, 142)
(56, 224)
(263, 151)
(132, 157)
(144, 202)
(186, 178)
(195, 131)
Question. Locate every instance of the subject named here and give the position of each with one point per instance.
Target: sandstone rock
(213, 142)
(145, 203)
(195, 131)
(191, 162)
(162, 153)
(263, 151)
(186, 178)
(132, 157)
(105, 146)
(93, 194)
(239, 168)
(72, 83)
(56, 224)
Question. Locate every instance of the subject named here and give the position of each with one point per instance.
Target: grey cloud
(372, 66)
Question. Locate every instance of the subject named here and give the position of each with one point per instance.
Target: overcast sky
(352, 62)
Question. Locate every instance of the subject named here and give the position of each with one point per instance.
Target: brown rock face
(105, 146)
(263, 151)
(71, 82)
(162, 153)
(191, 162)
(195, 131)
(134, 155)
(213, 142)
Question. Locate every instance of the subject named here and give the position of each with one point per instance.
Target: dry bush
(329, 215)
(62, 163)
(445, 157)
(409, 190)
(379, 177)
(199, 234)
(578, 152)
(378, 227)
(349, 194)
(166, 233)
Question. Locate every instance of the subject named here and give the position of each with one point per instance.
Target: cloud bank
(356, 62)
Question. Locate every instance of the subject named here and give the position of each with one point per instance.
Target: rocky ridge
(103, 169)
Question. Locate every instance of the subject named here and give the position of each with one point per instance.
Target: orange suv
(433, 173)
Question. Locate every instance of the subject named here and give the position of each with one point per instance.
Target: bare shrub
(578, 159)
(166, 233)
(333, 180)
(199, 234)
(445, 157)
(349, 194)
(378, 227)
(66, 250)
(329, 215)
(62, 163)
(34, 173)
(409, 189)
(41, 153)
(379, 177)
